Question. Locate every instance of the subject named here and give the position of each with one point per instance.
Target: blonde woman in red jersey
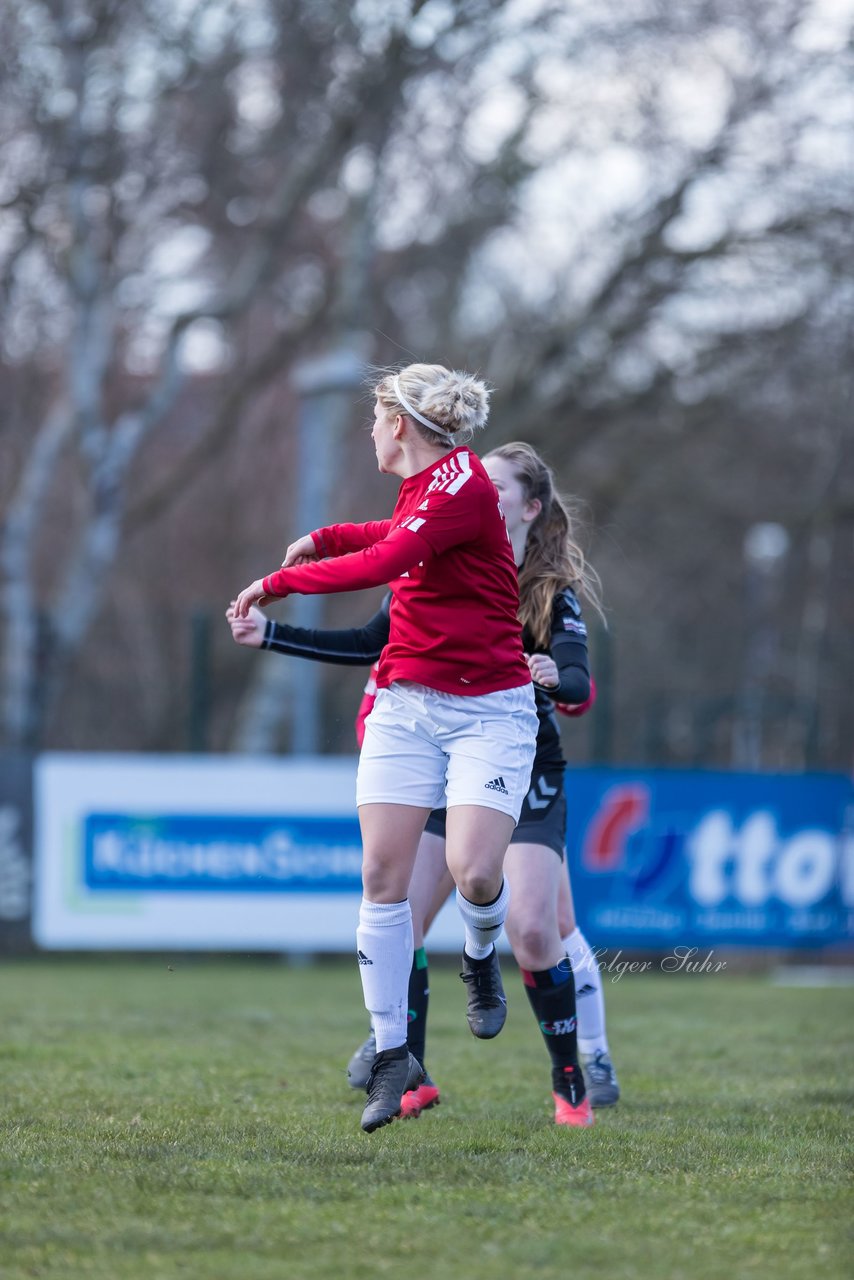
(552, 955)
(455, 715)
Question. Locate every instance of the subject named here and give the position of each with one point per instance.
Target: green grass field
(195, 1121)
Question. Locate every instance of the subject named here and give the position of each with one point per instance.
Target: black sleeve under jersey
(568, 647)
(355, 647)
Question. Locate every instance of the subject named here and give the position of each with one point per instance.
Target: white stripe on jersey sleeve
(466, 473)
(452, 474)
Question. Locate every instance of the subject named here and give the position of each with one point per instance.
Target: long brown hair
(553, 558)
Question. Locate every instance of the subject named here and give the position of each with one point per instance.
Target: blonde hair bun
(457, 402)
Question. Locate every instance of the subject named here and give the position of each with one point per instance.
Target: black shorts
(543, 816)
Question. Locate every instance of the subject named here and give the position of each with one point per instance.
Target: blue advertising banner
(228, 852)
(665, 857)
(238, 853)
(209, 853)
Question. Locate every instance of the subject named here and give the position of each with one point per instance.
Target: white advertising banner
(228, 853)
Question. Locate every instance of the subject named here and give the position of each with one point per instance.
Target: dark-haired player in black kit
(551, 570)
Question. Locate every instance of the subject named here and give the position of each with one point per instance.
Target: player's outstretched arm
(375, 566)
(335, 540)
(353, 647)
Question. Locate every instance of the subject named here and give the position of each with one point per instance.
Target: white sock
(589, 1000)
(384, 940)
(483, 924)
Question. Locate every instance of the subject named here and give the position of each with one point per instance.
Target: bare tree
(631, 220)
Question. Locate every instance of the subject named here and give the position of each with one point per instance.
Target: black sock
(419, 997)
(551, 994)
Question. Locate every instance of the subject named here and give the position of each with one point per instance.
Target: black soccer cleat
(487, 1004)
(359, 1066)
(603, 1090)
(393, 1074)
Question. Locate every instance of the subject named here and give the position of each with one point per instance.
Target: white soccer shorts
(427, 748)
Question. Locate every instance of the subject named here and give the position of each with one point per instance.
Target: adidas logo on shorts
(497, 784)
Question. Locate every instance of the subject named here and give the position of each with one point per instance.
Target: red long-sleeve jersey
(446, 555)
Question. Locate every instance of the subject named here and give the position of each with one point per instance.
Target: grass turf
(194, 1120)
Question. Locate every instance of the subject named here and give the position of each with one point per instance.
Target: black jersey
(361, 646)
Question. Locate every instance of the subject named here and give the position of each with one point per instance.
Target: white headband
(443, 435)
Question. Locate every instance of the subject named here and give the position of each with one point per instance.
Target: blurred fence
(225, 853)
(16, 843)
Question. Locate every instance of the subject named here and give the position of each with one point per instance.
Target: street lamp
(765, 548)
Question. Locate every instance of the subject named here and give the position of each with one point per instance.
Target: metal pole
(765, 548)
(200, 681)
(325, 386)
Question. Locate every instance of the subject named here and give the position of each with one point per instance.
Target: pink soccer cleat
(425, 1096)
(572, 1106)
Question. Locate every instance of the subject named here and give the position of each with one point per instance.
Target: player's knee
(382, 881)
(480, 885)
(532, 943)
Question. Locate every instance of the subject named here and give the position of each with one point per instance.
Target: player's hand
(249, 630)
(543, 670)
(253, 594)
(300, 552)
